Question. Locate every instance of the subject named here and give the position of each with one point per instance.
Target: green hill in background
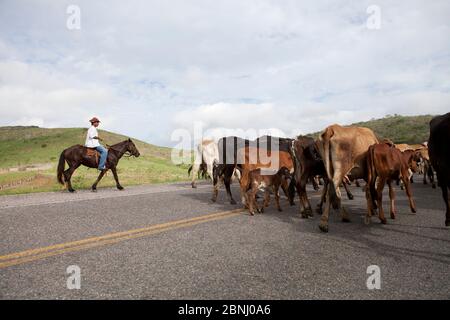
(400, 129)
(29, 155)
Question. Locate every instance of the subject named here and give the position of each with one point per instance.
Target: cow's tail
(60, 170)
(325, 141)
(371, 174)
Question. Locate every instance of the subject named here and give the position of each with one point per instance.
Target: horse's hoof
(121, 188)
(392, 216)
(304, 216)
(72, 190)
(213, 200)
(232, 201)
(280, 210)
(447, 223)
(94, 190)
(194, 186)
(350, 197)
(323, 226)
(433, 186)
(345, 219)
(383, 221)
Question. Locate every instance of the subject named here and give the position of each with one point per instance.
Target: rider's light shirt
(90, 141)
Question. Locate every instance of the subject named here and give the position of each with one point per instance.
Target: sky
(148, 69)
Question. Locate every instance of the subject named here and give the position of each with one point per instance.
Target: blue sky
(147, 68)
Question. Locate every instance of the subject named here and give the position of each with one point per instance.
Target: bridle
(126, 153)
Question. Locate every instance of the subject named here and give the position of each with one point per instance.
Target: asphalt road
(171, 242)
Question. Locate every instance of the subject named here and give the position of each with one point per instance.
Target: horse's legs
(68, 175)
(100, 176)
(116, 177)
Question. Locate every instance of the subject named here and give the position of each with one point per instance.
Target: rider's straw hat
(94, 119)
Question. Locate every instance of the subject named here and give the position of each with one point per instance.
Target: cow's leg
(349, 194)
(251, 201)
(277, 198)
(392, 199)
(425, 171)
(301, 205)
(266, 198)
(195, 172)
(431, 177)
(323, 197)
(412, 205)
(323, 224)
(315, 183)
(100, 176)
(380, 187)
(227, 182)
(217, 181)
(445, 185)
(244, 186)
(116, 177)
(370, 209)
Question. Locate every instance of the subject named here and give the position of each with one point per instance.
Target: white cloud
(149, 67)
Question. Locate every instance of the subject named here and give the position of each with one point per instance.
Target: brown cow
(387, 164)
(308, 165)
(439, 149)
(251, 158)
(259, 180)
(343, 150)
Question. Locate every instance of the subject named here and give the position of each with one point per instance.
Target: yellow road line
(58, 249)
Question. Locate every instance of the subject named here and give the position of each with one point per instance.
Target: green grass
(27, 146)
(400, 129)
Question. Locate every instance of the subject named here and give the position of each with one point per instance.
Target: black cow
(439, 150)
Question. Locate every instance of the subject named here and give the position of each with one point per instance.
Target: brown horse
(76, 156)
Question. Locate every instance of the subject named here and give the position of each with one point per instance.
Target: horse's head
(131, 148)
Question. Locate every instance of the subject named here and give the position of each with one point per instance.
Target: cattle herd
(338, 157)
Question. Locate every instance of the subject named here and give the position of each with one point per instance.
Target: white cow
(207, 152)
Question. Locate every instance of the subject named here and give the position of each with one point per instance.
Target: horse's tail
(61, 165)
(189, 170)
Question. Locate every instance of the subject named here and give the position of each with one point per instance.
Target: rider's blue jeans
(103, 155)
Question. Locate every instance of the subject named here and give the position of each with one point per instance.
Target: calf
(439, 149)
(251, 158)
(264, 182)
(386, 163)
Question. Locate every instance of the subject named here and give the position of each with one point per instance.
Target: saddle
(92, 152)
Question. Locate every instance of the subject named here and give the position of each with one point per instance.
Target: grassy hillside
(29, 156)
(400, 129)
